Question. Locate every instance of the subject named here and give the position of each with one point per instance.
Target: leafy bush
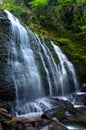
(37, 3)
(61, 4)
(12, 6)
(80, 0)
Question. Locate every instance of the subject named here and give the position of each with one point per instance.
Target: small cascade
(66, 71)
(39, 69)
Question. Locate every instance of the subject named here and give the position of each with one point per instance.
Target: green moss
(59, 114)
(81, 116)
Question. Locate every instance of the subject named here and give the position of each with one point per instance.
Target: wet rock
(83, 87)
(80, 99)
(53, 124)
(61, 109)
(43, 123)
(19, 126)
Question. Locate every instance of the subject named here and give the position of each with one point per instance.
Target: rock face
(7, 91)
(80, 98)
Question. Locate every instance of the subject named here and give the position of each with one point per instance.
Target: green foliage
(83, 28)
(80, 1)
(84, 15)
(37, 3)
(61, 4)
(64, 2)
(64, 40)
(51, 18)
(13, 7)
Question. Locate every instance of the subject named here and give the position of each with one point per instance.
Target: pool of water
(74, 126)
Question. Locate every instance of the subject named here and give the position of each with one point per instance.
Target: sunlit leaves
(12, 6)
(38, 3)
(80, 1)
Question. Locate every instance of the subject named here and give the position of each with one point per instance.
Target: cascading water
(39, 69)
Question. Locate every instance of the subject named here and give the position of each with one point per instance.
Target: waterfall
(39, 68)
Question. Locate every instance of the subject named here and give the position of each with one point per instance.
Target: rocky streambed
(62, 116)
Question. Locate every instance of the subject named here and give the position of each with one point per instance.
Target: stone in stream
(52, 124)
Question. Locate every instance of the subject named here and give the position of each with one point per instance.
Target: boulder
(61, 108)
(52, 124)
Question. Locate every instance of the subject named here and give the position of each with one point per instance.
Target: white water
(35, 72)
(76, 127)
(66, 71)
(72, 128)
